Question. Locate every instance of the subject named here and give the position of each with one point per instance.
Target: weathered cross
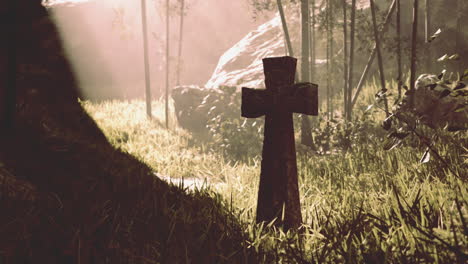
(278, 195)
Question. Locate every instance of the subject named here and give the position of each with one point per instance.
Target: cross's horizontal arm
(299, 98)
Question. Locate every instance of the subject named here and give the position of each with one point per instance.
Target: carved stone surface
(278, 195)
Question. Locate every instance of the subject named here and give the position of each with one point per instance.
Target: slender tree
(285, 28)
(379, 56)
(413, 52)
(306, 134)
(427, 29)
(351, 58)
(398, 31)
(167, 65)
(328, 58)
(146, 58)
(331, 26)
(460, 8)
(345, 59)
(181, 34)
(313, 55)
(372, 56)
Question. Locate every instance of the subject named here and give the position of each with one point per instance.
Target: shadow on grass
(68, 196)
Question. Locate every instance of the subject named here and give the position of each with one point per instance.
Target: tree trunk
(181, 35)
(379, 57)
(427, 32)
(413, 52)
(312, 43)
(351, 59)
(345, 60)
(285, 28)
(146, 59)
(328, 59)
(167, 66)
(398, 30)
(306, 134)
(332, 87)
(372, 56)
(460, 8)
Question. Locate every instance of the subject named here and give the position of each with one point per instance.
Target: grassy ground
(363, 206)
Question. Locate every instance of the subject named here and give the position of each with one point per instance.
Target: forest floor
(365, 205)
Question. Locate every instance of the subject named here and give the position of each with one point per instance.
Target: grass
(363, 206)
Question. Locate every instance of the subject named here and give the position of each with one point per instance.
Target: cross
(278, 195)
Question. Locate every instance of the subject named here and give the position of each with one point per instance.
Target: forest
(247, 131)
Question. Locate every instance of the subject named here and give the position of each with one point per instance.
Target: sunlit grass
(360, 206)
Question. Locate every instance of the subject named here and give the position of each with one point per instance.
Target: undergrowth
(362, 205)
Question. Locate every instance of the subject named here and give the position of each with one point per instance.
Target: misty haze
(233, 131)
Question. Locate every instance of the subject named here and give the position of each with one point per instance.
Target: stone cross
(278, 195)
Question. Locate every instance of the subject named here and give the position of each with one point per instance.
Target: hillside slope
(68, 196)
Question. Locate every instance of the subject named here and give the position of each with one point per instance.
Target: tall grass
(366, 205)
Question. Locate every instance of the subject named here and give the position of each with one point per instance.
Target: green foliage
(440, 108)
(367, 205)
(236, 137)
(340, 135)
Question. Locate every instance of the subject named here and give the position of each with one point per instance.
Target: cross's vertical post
(278, 195)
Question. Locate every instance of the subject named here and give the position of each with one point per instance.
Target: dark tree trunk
(181, 38)
(306, 133)
(146, 59)
(379, 57)
(413, 52)
(312, 43)
(285, 28)
(427, 32)
(371, 57)
(345, 60)
(167, 66)
(351, 59)
(398, 30)
(460, 8)
(328, 59)
(332, 89)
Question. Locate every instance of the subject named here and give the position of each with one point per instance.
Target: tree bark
(181, 35)
(345, 60)
(351, 59)
(427, 32)
(371, 57)
(167, 66)
(285, 28)
(413, 52)
(312, 43)
(398, 29)
(332, 87)
(379, 56)
(306, 133)
(460, 7)
(9, 98)
(328, 59)
(146, 59)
